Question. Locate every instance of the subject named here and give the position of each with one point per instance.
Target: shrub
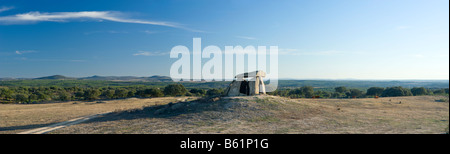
(323, 94)
(197, 92)
(417, 91)
(375, 91)
(64, 96)
(396, 91)
(21, 98)
(91, 94)
(109, 94)
(442, 100)
(154, 92)
(42, 96)
(336, 95)
(354, 93)
(131, 93)
(295, 93)
(121, 93)
(214, 92)
(439, 91)
(307, 91)
(175, 90)
(341, 89)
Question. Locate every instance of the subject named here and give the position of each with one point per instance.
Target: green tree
(375, 91)
(214, 92)
(79, 94)
(42, 96)
(91, 94)
(150, 92)
(337, 95)
(6, 93)
(295, 93)
(341, 89)
(175, 90)
(154, 92)
(140, 93)
(284, 92)
(64, 96)
(197, 92)
(417, 91)
(32, 97)
(108, 94)
(323, 94)
(354, 93)
(2, 95)
(439, 91)
(20, 98)
(307, 91)
(131, 93)
(120, 93)
(396, 91)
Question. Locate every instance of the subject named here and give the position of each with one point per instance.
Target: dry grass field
(15, 118)
(270, 114)
(252, 114)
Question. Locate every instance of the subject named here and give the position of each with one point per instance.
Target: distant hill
(155, 78)
(109, 78)
(129, 78)
(54, 77)
(159, 78)
(7, 79)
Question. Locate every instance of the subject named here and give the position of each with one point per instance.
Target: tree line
(55, 93)
(344, 92)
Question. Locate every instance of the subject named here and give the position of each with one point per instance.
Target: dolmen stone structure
(247, 84)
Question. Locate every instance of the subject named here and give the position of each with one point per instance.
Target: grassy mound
(270, 114)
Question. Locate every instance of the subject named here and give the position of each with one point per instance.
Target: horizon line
(348, 79)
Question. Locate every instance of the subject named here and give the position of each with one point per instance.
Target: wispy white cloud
(110, 32)
(50, 60)
(246, 37)
(24, 52)
(286, 51)
(148, 53)
(294, 52)
(322, 53)
(114, 16)
(149, 32)
(5, 8)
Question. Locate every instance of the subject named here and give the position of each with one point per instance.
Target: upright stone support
(255, 84)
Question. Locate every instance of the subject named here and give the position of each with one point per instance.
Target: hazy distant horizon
(343, 79)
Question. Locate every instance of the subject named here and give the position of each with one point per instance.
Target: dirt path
(53, 127)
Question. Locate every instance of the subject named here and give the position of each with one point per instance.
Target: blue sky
(317, 39)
